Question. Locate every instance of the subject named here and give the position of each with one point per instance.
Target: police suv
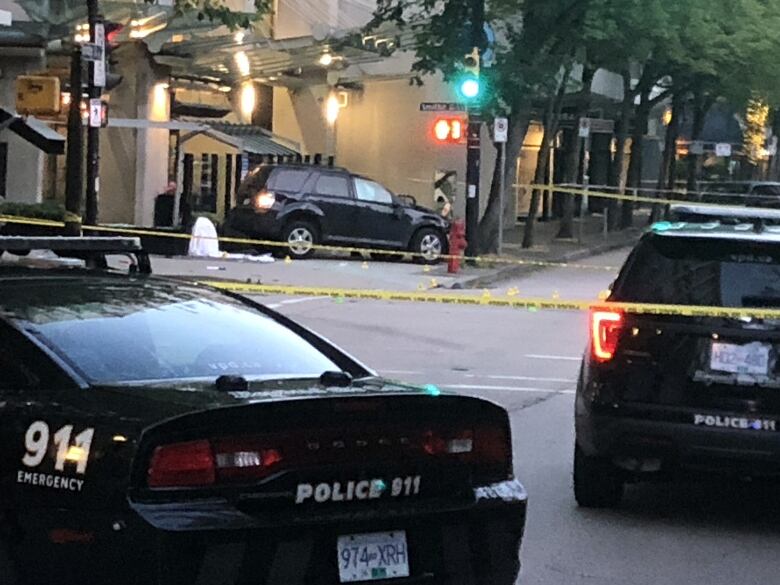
(666, 395)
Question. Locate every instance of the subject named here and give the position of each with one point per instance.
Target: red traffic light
(449, 130)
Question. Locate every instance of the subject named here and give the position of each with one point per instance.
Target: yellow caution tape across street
(321, 247)
(479, 260)
(489, 299)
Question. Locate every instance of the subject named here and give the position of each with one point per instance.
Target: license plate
(371, 557)
(752, 358)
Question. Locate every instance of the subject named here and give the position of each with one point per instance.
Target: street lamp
(332, 108)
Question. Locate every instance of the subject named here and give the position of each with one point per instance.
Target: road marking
(553, 357)
(292, 302)
(522, 378)
(484, 376)
(506, 389)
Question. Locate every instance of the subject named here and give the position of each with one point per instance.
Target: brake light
(486, 446)
(263, 201)
(605, 328)
(182, 465)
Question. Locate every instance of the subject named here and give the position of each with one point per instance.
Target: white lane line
(506, 389)
(522, 378)
(565, 358)
(484, 376)
(292, 302)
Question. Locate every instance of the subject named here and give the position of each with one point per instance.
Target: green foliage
(50, 210)
(216, 11)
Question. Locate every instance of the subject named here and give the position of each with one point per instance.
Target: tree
(216, 11)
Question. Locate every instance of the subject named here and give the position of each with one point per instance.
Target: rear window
(701, 271)
(116, 334)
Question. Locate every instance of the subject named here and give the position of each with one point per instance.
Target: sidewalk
(343, 271)
(589, 240)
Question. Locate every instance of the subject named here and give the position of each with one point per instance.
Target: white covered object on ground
(204, 242)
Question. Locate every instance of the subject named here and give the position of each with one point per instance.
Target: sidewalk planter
(44, 211)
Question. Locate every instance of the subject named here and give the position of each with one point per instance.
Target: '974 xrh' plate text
(372, 557)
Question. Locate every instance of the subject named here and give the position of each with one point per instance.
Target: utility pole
(97, 80)
(474, 143)
(73, 182)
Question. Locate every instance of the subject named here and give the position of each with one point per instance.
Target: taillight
(486, 447)
(204, 463)
(263, 201)
(182, 465)
(605, 328)
(245, 459)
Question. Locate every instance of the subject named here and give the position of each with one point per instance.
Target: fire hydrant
(457, 245)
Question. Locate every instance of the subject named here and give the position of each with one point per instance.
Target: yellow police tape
(352, 249)
(578, 191)
(488, 299)
(321, 247)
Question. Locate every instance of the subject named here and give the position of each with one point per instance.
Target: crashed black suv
(153, 431)
(664, 396)
(306, 205)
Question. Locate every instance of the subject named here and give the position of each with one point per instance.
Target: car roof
(304, 166)
(721, 222)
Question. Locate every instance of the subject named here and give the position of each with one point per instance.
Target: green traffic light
(469, 88)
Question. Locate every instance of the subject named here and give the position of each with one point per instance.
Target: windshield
(708, 272)
(120, 335)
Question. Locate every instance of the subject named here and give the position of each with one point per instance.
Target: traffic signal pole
(473, 161)
(94, 91)
(74, 159)
(474, 144)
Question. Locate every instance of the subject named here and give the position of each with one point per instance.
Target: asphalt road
(528, 362)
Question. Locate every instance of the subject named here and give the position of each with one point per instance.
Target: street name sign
(441, 107)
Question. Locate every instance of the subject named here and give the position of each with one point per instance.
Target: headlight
(263, 201)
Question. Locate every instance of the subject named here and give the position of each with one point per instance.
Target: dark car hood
(149, 404)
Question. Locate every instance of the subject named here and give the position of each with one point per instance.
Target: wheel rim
(301, 241)
(430, 247)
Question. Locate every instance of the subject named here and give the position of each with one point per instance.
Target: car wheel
(301, 238)
(597, 483)
(428, 246)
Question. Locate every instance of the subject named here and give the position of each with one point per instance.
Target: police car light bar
(713, 212)
(92, 249)
(95, 245)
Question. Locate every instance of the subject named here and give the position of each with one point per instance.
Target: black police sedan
(664, 396)
(159, 432)
(306, 205)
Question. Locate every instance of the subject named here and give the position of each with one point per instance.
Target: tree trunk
(635, 164)
(551, 122)
(619, 162)
(666, 176)
(488, 227)
(572, 163)
(700, 107)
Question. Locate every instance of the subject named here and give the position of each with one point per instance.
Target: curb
(512, 272)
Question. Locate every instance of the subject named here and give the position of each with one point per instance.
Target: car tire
(428, 246)
(597, 483)
(301, 237)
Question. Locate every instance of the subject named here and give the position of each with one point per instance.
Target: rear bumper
(631, 435)
(472, 544)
